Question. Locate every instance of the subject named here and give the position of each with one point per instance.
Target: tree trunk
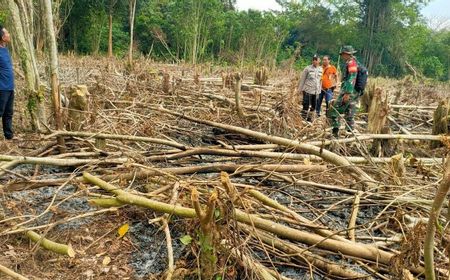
(440, 121)
(110, 38)
(237, 93)
(132, 15)
(24, 49)
(378, 113)
(53, 54)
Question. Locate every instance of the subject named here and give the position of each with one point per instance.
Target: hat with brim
(348, 50)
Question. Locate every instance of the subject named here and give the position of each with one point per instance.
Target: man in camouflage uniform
(348, 96)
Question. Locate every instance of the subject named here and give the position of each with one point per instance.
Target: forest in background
(392, 36)
(394, 39)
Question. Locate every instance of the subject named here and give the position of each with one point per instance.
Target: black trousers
(309, 105)
(6, 112)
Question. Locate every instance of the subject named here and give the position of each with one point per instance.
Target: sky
(439, 8)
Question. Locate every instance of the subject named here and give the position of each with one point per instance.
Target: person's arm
(334, 77)
(301, 84)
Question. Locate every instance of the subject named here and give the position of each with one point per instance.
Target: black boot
(335, 132)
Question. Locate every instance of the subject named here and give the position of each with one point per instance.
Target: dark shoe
(335, 132)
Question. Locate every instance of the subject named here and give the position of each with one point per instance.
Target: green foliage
(389, 34)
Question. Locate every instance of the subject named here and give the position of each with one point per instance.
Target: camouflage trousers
(338, 107)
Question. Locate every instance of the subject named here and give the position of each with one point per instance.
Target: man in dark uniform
(6, 85)
(348, 96)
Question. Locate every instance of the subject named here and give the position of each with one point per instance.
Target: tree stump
(440, 121)
(166, 82)
(398, 168)
(197, 78)
(377, 118)
(366, 99)
(262, 76)
(227, 80)
(238, 77)
(78, 106)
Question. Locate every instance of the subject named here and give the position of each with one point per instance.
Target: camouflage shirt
(351, 71)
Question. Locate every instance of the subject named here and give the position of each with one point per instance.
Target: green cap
(348, 50)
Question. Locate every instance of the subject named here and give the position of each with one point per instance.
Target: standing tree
(21, 17)
(53, 54)
(132, 4)
(112, 3)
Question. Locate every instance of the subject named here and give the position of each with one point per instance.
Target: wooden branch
(59, 162)
(441, 194)
(58, 248)
(252, 265)
(11, 273)
(353, 216)
(212, 168)
(274, 155)
(413, 107)
(274, 204)
(365, 137)
(303, 255)
(117, 137)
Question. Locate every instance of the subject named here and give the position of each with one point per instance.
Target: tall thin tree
(132, 4)
(53, 54)
(21, 17)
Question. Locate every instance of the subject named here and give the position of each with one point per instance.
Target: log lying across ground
(47, 244)
(117, 137)
(60, 162)
(350, 249)
(328, 156)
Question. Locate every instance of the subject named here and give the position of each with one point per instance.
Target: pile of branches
(259, 189)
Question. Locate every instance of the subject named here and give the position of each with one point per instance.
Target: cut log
(58, 248)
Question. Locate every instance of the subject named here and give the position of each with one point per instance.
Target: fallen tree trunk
(117, 137)
(213, 168)
(59, 162)
(356, 250)
(273, 155)
(302, 255)
(328, 156)
(274, 204)
(365, 137)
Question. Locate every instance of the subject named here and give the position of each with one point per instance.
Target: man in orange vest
(329, 81)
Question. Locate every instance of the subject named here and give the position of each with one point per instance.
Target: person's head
(326, 60)
(4, 35)
(316, 60)
(347, 52)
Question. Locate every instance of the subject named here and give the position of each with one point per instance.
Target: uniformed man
(348, 97)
